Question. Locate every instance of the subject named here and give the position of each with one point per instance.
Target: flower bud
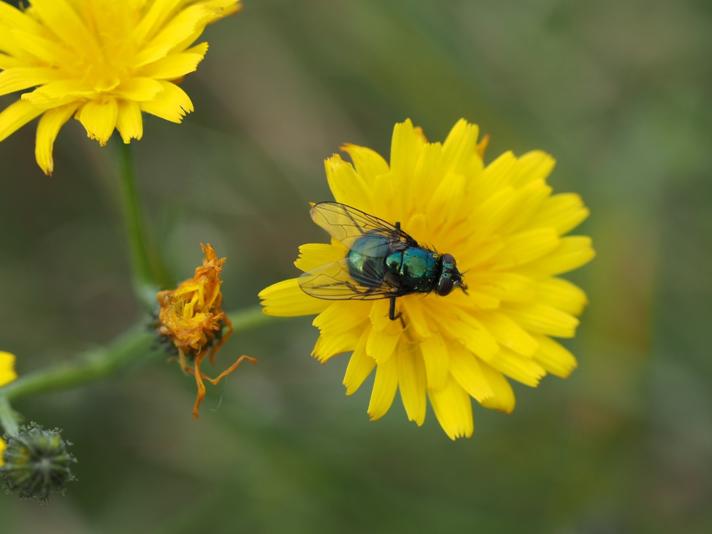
(36, 463)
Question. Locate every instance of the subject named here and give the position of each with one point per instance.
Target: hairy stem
(8, 418)
(132, 348)
(148, 271)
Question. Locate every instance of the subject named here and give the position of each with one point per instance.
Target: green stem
(92, 365)
(148, 271)
(249, 319)
(131, 348)
(8, 419)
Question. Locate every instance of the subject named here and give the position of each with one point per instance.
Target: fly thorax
(419, 269)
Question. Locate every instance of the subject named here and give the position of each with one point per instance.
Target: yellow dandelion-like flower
(7, 375)
(192, 319)
(503, 227)
(104, 62)
(7, 368)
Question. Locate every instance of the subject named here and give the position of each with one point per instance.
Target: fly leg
(393, 315)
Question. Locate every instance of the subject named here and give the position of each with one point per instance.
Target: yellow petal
(155, 17)
(59, 93)
(129, 121)
(368, 163)
(504, 286)
(509, 334)
(562, 294)
(176, 66)
(67, 25)
(519, 368)
(406, 145)
(286, 299)
(382, 344)
(20, 78)
(34, 47)
(542, 319)
(562, 212)
(437, 361)
(411, 383)
(467, 371)
(15, 116)
(470, 332)
(331, 344)
(183, 27)
(446, 198)
(571, 253)
(461, 146)
(7, 368)
(535, 165)
(496, 175)
(313, 255)
(12, 17)
(527, 246)
(9, 62)
(555, 358)
(47, 131)
(2, 452)
(359, 367)
(172, 104)
(139, 89)
(414, 316)
(342, 315)
(340, 326)
(346, 185)
(384, 389)
(215, 9)
(496, 210)
(453, 409)
(503, 397)
(99, 119)
(530, 199)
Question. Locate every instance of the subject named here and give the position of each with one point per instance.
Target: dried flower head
(36, 463)
(192, 320)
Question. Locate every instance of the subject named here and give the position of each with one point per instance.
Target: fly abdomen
(367, 259)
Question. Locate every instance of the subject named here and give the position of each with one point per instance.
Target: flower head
(7, 368)
(504, 228)
(103, 62)
(36, 463)
(192, 320)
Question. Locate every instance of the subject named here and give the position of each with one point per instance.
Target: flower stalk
(149, 273)
(134, 347)
(8, 418)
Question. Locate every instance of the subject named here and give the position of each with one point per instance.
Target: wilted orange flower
(192, 319)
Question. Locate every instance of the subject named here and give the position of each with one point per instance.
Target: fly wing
(333, 281)
(346, 224)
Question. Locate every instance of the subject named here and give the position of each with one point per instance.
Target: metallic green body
(374, 259)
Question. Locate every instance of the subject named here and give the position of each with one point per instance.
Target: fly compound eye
(449, 276)
(445, 284)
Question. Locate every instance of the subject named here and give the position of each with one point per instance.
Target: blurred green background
(617, 91)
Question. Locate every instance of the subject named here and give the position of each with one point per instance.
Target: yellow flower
(102, 61)
(506, 231)
(191, 318)
(7, 375)
(7, 368)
